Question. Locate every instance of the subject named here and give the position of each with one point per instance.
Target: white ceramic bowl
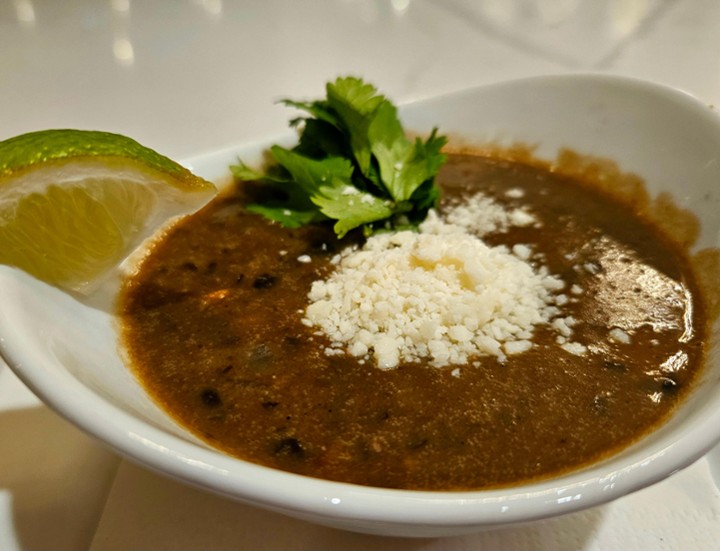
(68, 352)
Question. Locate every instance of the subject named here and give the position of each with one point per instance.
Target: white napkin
(53, 478)
(148, 511)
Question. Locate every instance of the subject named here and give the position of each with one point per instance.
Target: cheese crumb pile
(440, 295)
(481, 215)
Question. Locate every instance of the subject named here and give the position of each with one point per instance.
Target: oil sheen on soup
(214, 325)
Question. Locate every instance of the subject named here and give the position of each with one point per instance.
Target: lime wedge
(75, 203)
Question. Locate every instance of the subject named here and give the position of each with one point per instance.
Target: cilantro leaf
(353, 164)
(289, 218)
(351, 207)
(320, 139)
(296, 198)
(320, 110)
(310, 174)
(356, 104)
(241, 171)
(291, 207)
(404, 165)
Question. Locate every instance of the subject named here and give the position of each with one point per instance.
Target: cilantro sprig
(353, 164)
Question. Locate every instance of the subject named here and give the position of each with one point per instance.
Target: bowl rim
(301, 495)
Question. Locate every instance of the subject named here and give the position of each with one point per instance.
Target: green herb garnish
(352, 164)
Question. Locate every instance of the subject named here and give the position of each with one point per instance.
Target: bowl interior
(68, 352)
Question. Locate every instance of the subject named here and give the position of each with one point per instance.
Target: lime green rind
(57, 144)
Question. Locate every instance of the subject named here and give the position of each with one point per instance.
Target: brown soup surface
(212, 325)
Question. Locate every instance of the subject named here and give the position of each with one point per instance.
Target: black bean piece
(264, 281)
(418, 443)
(155, 296)
(191, 266)
(292, 340)
(667, 384)
(270, 404)
(289, 446)
(210, 397)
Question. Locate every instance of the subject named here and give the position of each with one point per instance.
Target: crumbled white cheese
(304, 258)
(563, 326)
(523, 252)
(517, 347)
(592, 268)
(440, 294)
(481, 215)
(520, 217)
(574, 348)
(618, 335)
